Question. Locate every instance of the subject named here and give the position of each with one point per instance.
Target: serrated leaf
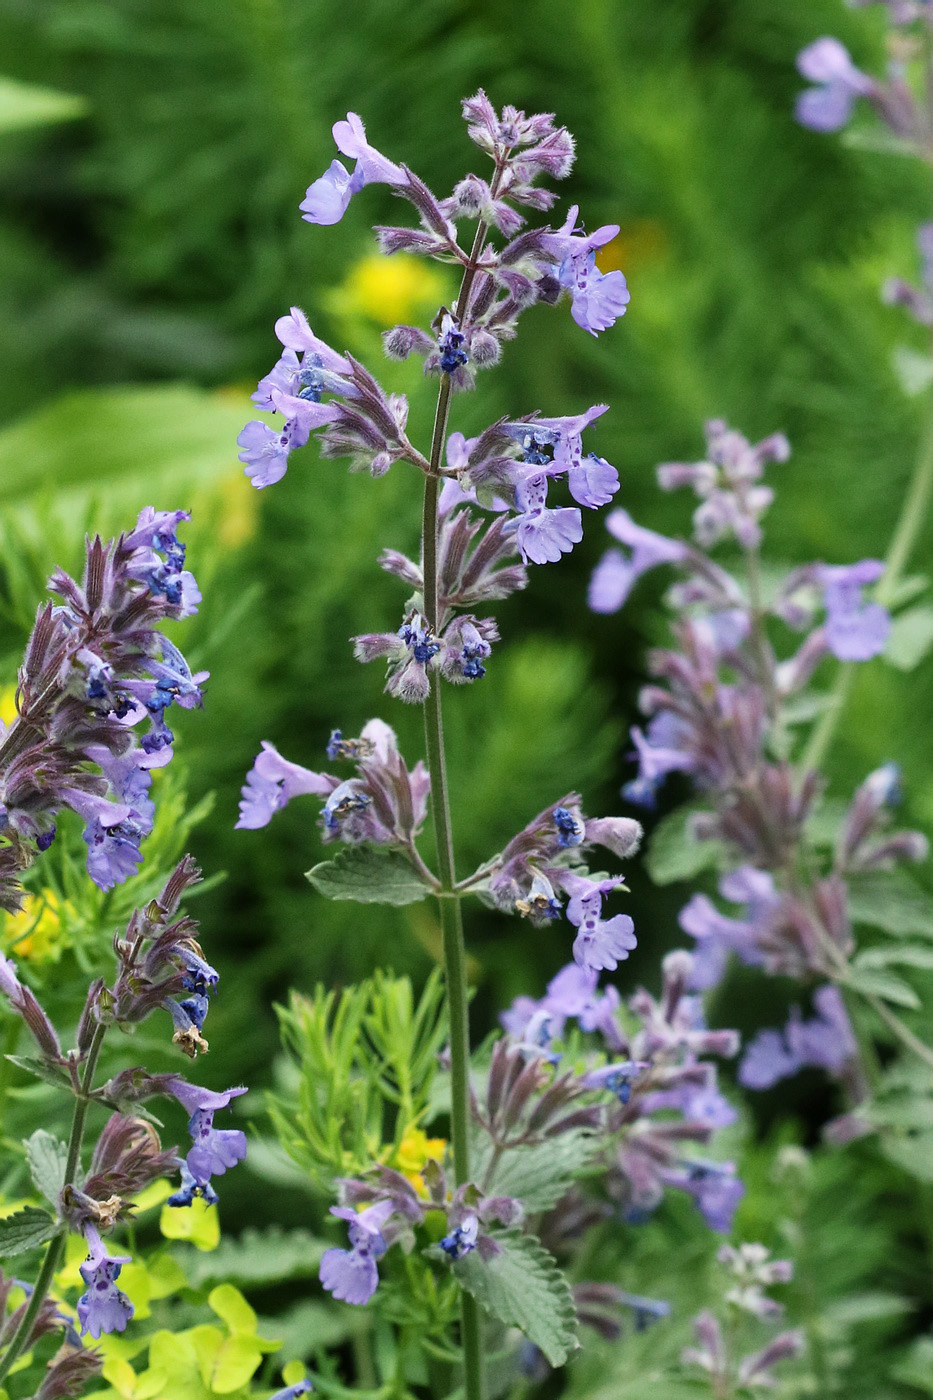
(369, 875)
(257, 1257)
(523, 1287)
(911, 638)
(40, 1069)
(873, 982)
(897, 954)
(46, 1156)
(538, 1176)
(675, 854)
(26, 1229)
(891, 901)
(23, 105)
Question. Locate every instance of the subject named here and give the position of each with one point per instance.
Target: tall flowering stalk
(733, 710)
(96, 667)
(486, 516)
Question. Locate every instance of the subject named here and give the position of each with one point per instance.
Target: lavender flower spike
(328, 198)
(828, 106)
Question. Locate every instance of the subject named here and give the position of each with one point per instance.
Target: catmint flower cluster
(718, 714)
(160, 966)
(95, 668)
(664, 1089)
(752, 1271)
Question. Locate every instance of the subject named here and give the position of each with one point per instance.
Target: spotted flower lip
(102, 1308)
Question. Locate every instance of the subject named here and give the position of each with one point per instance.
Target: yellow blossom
(414, 1152)
(388, 290)
(35, 932)
(8, 704)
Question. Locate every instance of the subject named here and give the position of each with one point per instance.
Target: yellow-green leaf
(197, 1223)
(230, 1305)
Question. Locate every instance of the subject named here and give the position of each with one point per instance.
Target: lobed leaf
(26, 1229)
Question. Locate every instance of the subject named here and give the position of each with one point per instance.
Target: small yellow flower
(415, 1151)
(388, 290)
(35, 932)
(8, 704)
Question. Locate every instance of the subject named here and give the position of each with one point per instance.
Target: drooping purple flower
(462, 1238)
(292, 1392)
(598, 299)
(329, 196)
(717, 935)
(616, 573)
(351, 1274)
(617, 1078)
(266, 450)
(213, 1150)
(272, 782)
(600, 943)
(543, 535)
(102, 1308)
(828, 106)
(824, 1041)
(658, 755)
(716, 1190)
(855, 630)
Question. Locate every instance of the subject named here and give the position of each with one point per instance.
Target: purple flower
(855, 631)
(658, 754)
(828, 106)
(825, 1041)
(102, 1308)
(214, 1150)
(328, 197)
(351, 1274)
(266, 450)
(272, 782)
(716, 1190)
(462, 1239)
(717, 935)
(616, 1078)
(543, 535)
(597, 298)
(616, 573)
(600, 943)
(292, 1392)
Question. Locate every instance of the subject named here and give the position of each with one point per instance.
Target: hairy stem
(53, 1254)
(910, 523)
(450, 911)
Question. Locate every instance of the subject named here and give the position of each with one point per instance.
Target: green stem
(56, 1247)
(450, 910)
(910, 522)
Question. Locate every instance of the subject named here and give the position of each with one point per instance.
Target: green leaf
(230, 1305)
(46, 1156)
(874, 983)
(22, 105)
(112, 440)
(917, 1368)
(674, 853)
(913, 369)
(50, 1073)
(911, 638)
(914, 1154)
(257, 1257)
(523, 1287)
(866, 1307)
(897, 954)
(538, 1176)
(368, 874)
(892, 902)
(25, 1230)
